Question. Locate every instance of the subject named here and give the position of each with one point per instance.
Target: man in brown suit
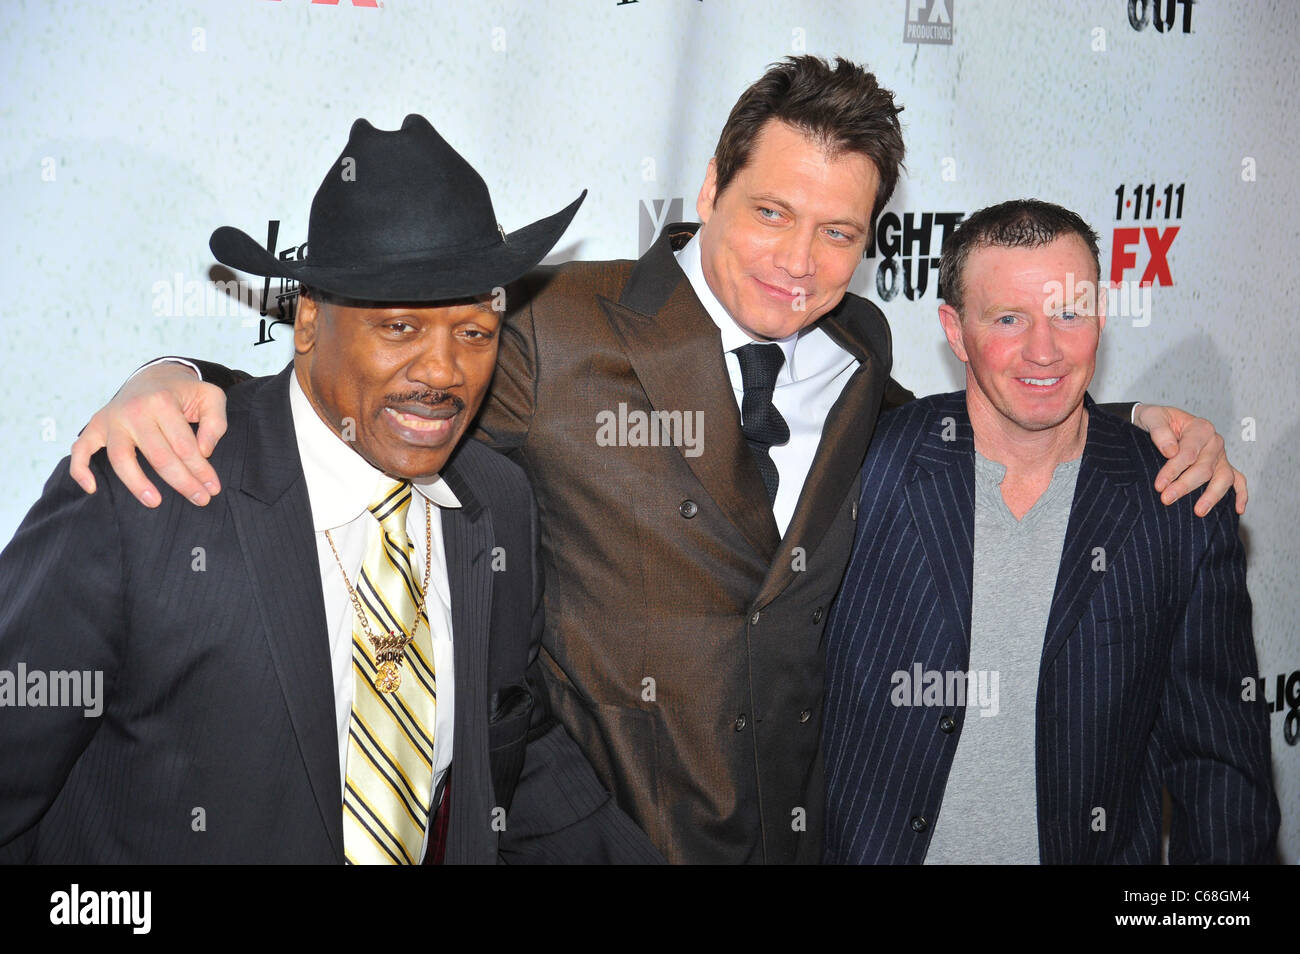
(693, 424)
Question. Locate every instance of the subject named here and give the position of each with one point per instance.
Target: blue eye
(768, 213)
(1069, 315)
(1007, 320)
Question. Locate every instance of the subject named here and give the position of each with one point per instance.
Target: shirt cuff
(189, 364)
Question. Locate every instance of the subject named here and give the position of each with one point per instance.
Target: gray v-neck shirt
(989, 813)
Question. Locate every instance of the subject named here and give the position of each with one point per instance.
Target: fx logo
(654, 214)
(928, 21)
(1167, 205)
(1157, 270)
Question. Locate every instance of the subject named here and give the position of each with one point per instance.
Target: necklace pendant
(389, 677)
(390, 650)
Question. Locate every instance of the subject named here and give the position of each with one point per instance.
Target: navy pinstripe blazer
(1140, 680)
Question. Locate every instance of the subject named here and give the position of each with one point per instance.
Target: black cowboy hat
(401, 217)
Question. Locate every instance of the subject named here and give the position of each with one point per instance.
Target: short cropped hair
(1020, 223)
(843, 107)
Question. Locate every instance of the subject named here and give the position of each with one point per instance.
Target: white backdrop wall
(132, 130)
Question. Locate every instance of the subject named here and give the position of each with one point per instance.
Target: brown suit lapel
(843, 447)
(676, 352)
(663, 329)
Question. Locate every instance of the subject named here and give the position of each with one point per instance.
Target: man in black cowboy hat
(295, 674)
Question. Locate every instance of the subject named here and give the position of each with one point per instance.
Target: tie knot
(759, 364)
(390, 505)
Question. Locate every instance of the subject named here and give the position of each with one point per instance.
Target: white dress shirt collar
(341, 484)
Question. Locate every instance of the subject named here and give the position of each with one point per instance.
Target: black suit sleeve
(61, 575)
(209, 371)
(1123, 411)
(217, 374)
(896, 395)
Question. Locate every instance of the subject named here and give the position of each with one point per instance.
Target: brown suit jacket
(684, 638)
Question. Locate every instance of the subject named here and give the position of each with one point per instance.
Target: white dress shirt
(809, 383)
(341, 486)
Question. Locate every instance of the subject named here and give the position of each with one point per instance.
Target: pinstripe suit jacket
(1140, 678)
(219, 693)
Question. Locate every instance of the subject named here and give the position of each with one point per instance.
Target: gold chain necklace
(390, 649)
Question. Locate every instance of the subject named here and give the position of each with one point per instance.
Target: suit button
(855, 503)
(817, 615)
(919, 824)
(805, 715)
(753, 620)
(947, 724)
(740, 722)
(688, 508)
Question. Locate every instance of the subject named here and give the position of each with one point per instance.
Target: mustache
(428, 398)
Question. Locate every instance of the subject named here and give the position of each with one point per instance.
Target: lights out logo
(1166, 16)
(278, 310)
(908, 245)
(1279, 694)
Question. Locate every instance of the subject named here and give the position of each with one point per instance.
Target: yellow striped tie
(390, 744)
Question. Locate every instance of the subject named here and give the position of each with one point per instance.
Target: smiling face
(1028, 333)
(780, 244)
(403, 382)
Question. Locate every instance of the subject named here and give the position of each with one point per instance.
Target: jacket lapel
(467, 541)
(272, 516)
(940, 487)
(676, 352)
(840, 452)
(1102, 515)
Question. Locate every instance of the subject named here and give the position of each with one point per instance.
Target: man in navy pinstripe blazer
(1028, 646)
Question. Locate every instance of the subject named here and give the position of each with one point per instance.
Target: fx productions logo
(1161, 14)
(909, 248)
(1145, 203)
(929, 21)
(652, 216)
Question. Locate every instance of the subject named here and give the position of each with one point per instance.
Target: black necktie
(761, 423)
